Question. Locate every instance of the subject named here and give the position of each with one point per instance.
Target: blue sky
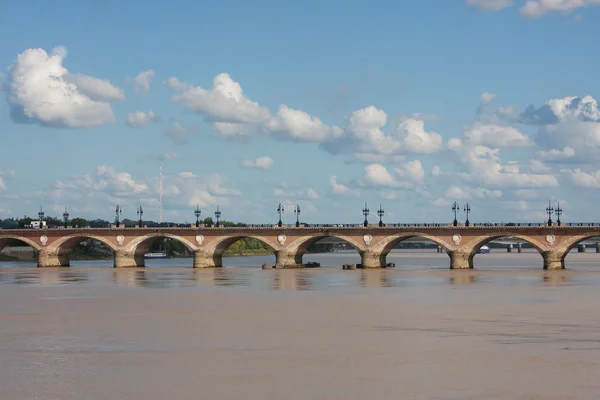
(319, 103)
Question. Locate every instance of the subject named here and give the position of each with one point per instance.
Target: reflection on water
(287, 279)
(459, 278)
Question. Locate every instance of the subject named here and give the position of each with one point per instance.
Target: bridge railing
(344, 226)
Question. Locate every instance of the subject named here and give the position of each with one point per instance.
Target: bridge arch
(569, 244)
(220, 247)
(67, 243)
(477, 243)
(386, 245)
(6, 240)
(302, 244)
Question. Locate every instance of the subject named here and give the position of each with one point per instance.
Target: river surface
(506, 330)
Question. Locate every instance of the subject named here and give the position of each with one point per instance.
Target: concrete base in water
(292, 266)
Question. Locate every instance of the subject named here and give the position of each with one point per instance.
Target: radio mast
(160, 195)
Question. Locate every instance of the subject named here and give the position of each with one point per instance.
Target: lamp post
(380, 213)
(467, 211)
(297, 212)
(558, 213)
(118, 212)
(217, 216)
(66, 217)
(549, 211)
(365, 212)
(280, 211)
(41, 217)
(140, 212)
(197, 214)
(456, 209)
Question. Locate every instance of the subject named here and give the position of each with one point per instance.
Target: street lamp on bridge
(118, 212)
(41, 217)
(467, 211)
(280, 211)
(456, 209)
(140, 212)
(297, 212)
(558, 211)
(549, 211)
(380, 213)
(365, 212)
(66, 217)
(217, 216)
(197, 214)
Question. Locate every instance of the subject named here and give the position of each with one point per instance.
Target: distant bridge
(290, 243)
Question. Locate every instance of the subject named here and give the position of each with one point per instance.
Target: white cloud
(139, 119)
(364, 135)
(176, 84)
(230, 130)
(225, 102)
(2, 183)
(39, 90)
(466, 193)
(493, 135)
(571, 124)
(490, 5)
(392, 195)
(170, 155)
(264, 162)
(94, 88)
(537, 8)
(485, 168)
(341, 189)
(555, 154)
(440, 202)
(412, 170)
(416, 139)
(583, 179)
(378, 175)
(142, 81)
(296, 125)
(304, 194)
(486, 98)
(312, 194)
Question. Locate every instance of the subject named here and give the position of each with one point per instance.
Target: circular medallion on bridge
(550, 239)
(456, 239)
(120, 239)
(43, 240)
(281, 239)
(368, 239)
(199, 239)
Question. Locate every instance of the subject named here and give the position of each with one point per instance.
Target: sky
(327, 105)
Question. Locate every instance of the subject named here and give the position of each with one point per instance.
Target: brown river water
(506, 330)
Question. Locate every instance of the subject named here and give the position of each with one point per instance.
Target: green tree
(79, 222)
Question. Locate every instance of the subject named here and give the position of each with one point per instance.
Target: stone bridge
(289, 244)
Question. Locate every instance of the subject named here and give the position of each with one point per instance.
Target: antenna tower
(160, 195)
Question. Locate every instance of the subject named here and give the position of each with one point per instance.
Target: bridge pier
(124, 259)
(553, 260)
(49, 258)
(460, 260)
(287, 258)
(204, 259)
(372, 259)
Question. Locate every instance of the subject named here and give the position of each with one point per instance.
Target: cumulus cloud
(466, 193)
(94, 88)
(224, 102)
(139, 119)
(142, 81)
(586, 180)
(296, 125)
(377, 175)
(537, 8)
(412, 170)
(303, 194)
(557, 155)
(485, 168)
(490, 5)
(493, 135)
(264, 162)
(341, 189)
(40, 90)
(571, 124)
(364, 135)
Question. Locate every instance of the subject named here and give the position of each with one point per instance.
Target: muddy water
(507, 331)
